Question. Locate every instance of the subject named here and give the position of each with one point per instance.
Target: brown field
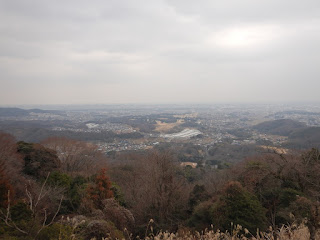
(276, 149)
(165, 127)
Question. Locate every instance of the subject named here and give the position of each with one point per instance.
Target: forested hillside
(62, 188)
(283, 127)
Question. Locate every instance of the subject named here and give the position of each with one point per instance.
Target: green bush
(238, 206)
(59, 179)
(56, 231)
(201, 217)
(74, 189)
(118, 195)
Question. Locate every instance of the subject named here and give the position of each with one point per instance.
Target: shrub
(238, 206)
(100, 189)
(38, 159)
(56, 231)
(99, 229)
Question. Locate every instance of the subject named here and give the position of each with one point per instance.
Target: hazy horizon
(159, 52)
(285, 105)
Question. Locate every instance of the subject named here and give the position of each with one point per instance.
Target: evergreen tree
(238, 206)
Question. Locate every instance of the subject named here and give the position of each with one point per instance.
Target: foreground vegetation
(67, 189)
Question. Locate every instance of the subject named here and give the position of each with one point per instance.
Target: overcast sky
(159, 51)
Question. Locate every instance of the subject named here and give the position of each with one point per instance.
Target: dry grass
(289, 232)
(293, 232)
(285, 233)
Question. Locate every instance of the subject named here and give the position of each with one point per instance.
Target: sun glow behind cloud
(244, 36)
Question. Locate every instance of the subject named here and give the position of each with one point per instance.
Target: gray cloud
(158, 51)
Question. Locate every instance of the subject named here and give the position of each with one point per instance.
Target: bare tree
(11, 164)
(77, 157)
(154, 189)
(37, 204)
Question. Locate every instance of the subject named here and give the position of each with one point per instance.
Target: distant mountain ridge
(300, 136)
(13, 112)
(18, 112)
(305, 138)
(293, 112)
(283, 127)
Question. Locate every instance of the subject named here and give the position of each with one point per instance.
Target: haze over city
(111, 52)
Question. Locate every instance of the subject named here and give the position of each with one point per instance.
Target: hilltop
(282, 127)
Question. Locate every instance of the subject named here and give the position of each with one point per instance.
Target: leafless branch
(58, 209)
(44, 225)
(29, 195)
(40, 196)
(7, 217)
